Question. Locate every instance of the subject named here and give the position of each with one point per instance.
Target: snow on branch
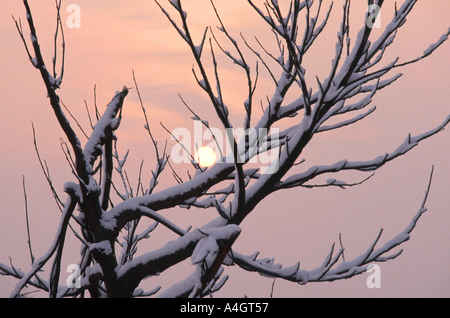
(370, 165)
(204, 256)
(157, 261)
(17, 273)
(59, 240)
(114, 219)
(328, 271)
(207, 248)
(106, 124)
(347, 122)
(175, 195)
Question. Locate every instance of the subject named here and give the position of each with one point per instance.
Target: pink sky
(296, 225)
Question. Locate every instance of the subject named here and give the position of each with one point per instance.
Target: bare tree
(105, 216)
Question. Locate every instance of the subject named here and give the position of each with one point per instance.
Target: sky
(117, 37)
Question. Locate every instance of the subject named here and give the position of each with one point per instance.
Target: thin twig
(27, 220)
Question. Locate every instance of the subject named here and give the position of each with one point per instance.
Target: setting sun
(205, 157)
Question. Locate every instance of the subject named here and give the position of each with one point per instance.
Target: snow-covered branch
(106, 125)
(369, 165)
(58, 242)
(330, 270)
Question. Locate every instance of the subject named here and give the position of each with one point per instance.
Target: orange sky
(118, 36)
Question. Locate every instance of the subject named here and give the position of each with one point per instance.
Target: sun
(205, 156)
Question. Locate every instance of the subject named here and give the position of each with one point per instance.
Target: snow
(54, 82)
(108, 221)
(434, 46)
(178, 288)
(202, 84)
(176, 4)
(92, 186)
(348, 61)
(205, 250)
(223, 233)
(282, 83)
(346, 122)
(103, 247)
(73, 188)
(332, 181)
(207, 247)
(122, 162)
(107, 121)
(139, 292)
(39, 263)
(198, 49)
(34, 61)
(170, 248)
(175, 191)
